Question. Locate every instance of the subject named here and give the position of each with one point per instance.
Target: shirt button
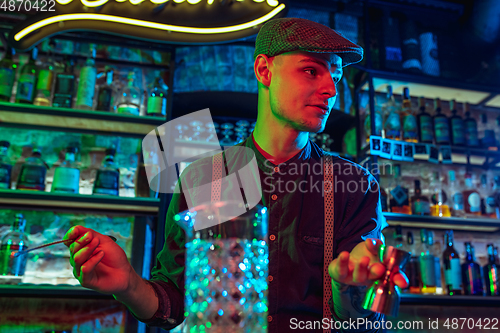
(272, 237)
(274, 197)
(269, 319)
(276, 169)
(270, 278)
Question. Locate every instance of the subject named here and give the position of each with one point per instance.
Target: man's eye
(311, 71)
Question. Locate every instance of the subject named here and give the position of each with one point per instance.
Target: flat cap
(296, 34)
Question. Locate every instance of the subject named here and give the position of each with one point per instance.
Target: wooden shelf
(468, 224)
(61, 119)
(102, 204)
(50, 291)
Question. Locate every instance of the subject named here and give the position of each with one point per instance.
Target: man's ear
(262, 69)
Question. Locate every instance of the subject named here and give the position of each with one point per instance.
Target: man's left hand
(362, 266)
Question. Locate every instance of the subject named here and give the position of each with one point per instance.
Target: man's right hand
(98, 262)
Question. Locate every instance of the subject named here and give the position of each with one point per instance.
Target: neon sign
(174, 21)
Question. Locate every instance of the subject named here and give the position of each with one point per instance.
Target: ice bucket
(226, 267)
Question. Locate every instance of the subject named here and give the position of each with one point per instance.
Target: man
(297, 65)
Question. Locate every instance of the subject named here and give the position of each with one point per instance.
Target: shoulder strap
(217, 165)
(328, 240)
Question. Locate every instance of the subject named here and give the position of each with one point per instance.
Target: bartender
(298, 64)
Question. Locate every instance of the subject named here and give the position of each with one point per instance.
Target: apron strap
(328, 240)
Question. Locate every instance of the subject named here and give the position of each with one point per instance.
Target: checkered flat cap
(295, 34)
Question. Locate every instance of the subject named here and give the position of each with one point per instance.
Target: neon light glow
(93, 3)
(146, 24)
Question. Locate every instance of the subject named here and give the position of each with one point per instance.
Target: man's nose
(329, 87)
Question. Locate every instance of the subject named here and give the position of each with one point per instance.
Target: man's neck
(282, 143)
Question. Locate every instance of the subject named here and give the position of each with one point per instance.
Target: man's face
(303, 88)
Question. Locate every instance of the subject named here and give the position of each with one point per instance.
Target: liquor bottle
(378, 123)
(457, 197)
(129, 100)
(157, 101)
(427, 265)
(7, 75)
(5, 166)
(471, 135)
(490, 274)
(424, 124)
(488, 140)
(106, 94)
(86, 84)
(398, 237)
(44, 83)
(107, 179)
(493, 199)
(410, 47)
(439, 197)
(27, 80)
(495, 253)
(392, 123)
(485, 191)
(472, 279)
(451, 265)
(441, 125)
(65, 86)
(410, 132)
(399, 202)
(420, 204)
(67, 175)
(33, 172)
(472, 199)
(457, 126)
(13, 241)
(383, 199)
(412, 268)
(436, 253)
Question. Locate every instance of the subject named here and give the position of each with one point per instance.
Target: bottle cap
(453, 105)
(421, 102)
(406, 93)
(437, 105)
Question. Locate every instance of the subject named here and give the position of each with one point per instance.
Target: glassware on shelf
(130, 98)
(439, 198)
(242, 123)
(86, 84)
(211, 133)
(13, 241)
(107, 179)
(182, 129)
(392, 123)
(424, 123)
(26, 83)
(33, 173)
(67, 175)
(324, 141)
(472, 199)
(441, 125)
(457, 197)
(5, 166)
(197, 129)
(7, 75)
(420, 204)
(226, 130)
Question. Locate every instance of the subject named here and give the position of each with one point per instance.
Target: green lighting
(177, 218)
(209, 324)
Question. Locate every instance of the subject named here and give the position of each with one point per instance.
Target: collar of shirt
(267, 166)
